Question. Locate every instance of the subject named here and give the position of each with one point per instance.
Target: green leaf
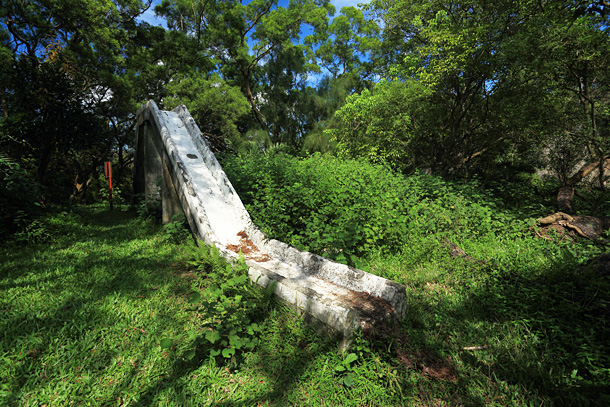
(228, 352)
(350, 358)
(166, 343)
(212, 336)
(235, 340)
(349, 379)
(190, 354)
(214, 352)
(195, 298)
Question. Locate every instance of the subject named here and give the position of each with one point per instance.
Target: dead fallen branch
(588, 227)
(475, 347)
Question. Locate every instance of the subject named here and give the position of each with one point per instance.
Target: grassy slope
(535, 314)
(82, 316)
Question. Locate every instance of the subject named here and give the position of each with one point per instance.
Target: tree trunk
(4, 105)
(564, 199)
(259, 116)
(565, 194)
(602, 172)
(119, 173)
(43, 161)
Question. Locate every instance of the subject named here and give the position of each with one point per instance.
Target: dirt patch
(457, 252)
(564, 234)
(183, 271)
(426, 361)
(434, 287)
(430, 363)
(248, 248)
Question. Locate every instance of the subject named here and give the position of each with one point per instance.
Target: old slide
(175, 166)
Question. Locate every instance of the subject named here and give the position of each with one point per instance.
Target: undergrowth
(230, 308)
(345, 209)
(84, 316)
(102, 312)
(517, 320)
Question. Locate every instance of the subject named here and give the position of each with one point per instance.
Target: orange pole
(109, 175)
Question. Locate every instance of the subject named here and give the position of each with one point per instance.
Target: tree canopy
(452, 87)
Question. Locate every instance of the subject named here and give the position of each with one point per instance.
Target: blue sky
(149, 15)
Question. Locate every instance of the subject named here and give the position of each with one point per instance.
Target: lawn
(84, 313)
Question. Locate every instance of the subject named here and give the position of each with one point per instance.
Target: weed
(229, 307)
(344, 369)
(177, 230)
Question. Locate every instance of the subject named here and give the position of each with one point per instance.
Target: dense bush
(393, 226)
(230, 307)
(19, 194)
(346, 208)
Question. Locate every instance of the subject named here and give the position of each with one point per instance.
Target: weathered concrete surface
(171, 152)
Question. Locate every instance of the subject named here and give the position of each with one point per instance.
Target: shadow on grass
(71, 312)
(54, 302)
(543, 337)
(282, 366)
(562, 316)
(546, 332)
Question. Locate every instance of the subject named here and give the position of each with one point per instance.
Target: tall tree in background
(225, 29)
(344, 47)
(343, 51)
(496, 83)
(575, 55)
(62, 59)
(451, 52)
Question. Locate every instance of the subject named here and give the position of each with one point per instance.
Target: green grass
(523, 321)
(83, 313)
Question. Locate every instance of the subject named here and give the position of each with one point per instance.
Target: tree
(63, 58)
(216, 107)
(224, 30)
(453, 53)
(501, 82)
(575, 54)
(329, 96)
(344, 47)
(377, 124)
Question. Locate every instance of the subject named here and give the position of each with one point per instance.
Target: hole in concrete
(192, 156)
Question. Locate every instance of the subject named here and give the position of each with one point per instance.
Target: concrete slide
(175, 166)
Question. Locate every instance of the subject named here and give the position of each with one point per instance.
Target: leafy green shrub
(149, 208)
(344, 209)
(177, 230)
(230, 306)
(215, 105)
(344, 369)
(19, 195)
(375, 124)
(103, 193)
